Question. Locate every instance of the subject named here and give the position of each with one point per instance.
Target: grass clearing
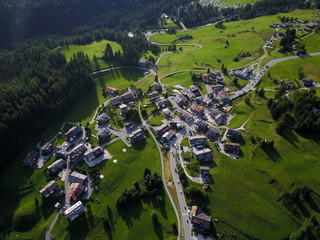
(157, 119)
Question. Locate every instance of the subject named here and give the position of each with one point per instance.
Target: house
(115, 101)
(168, 136)
(206, 101)
(123, 109)
(111, 90)
(181, 100)
(307, 82)
(30, 159)
(102, 119)
(56, 166)
(218, 116)
(205, 78)
(185, 117)
(103, 134)
(312, 25)
(157, 86)
(307, 29)
(200, 126)
(220, 80)
(162, 104)
(51, 188)
(283, 25)
(204, 170)
(188, 93)
(175, 125)
(136, 135)
(197, 109)
(167, 113)
(214, 75)
(129, 126)
(195, 90)
(77, 152)
(213, 133)
(301, 21)
(163, 129)
(143, 63)
(73, 133)
(232, 147)
(47, 148)
(280, 34)
(242, 74)
(153, 96)
(234, 134)
(76, 177)
(197, 76)
(197, 140)
(203, 154)
(128, 97)
(75, 211)
(94, 154)
(273, 25)
(199, 219)
(76, 191)
(216, 88)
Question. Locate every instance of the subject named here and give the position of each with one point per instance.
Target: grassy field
(184, 79)
(243, 36)
(119, 176)
(239, 1)
(94, 48)
(289, 70)
(157, 119)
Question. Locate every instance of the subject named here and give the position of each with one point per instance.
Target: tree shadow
(140, 145)
(290, 137)
(309, 199)
(273, 154)
(158, 229)
(133, 211)
(79, 228)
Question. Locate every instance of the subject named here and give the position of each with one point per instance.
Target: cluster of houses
(308, 26)
(231, 147)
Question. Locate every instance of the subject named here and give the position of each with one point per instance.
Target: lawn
(157, 119)
(94, 48)
(184, 79)
(289, 70)
(146, 82)
(119, 176)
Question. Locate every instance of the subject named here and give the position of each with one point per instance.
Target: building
(128, 97)
(162, 104)
(234, 134)
(73, 133)
(111, 90)
(94, 154)
(143, 63)
(283, 25)
(76, 191)
(301, 21)
(201, 126)
(244, 74)
(166, 112)
(185, 117)
(204, 171)
(197, 140)
(213, 133)
(115, 101)
(77, 152)
(102, 119)
(51, 188)
(56, 166)
(205, 78)
(129, 126)
(47, 148)
(168, 136)
(232, 147)
(163, 129)
(76, 177)
(123, 109)
(75, 210)
(153, 96)
(136, 135)
(197, 109)
(218, 116)
(203, 154)
(31, 159)
(188, 93)
(206, 101)
(273, 25)
(308, 82)
(181, 100)
(307, 29)
(195, 90)
(199, 219)
(103, 134)
(157, 86)
(197, 76)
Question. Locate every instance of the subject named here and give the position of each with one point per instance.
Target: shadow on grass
(79, 228)
(273, 154)
(140, 145)
(158, 229)
(133, 211)
(290, 137)
(156, 204)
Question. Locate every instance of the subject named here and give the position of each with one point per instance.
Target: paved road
(49, 229)
(113, 68)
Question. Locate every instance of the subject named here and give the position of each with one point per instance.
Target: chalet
(76, 177)
(168, 136)
(280, 34)
(185, 117)
(129, 126)
(197, 140)
(136, 135)
(206, 101)
(167, 113)
(102, 119)
(312, 25)
(162, 104)
(199, 99)
(195, 90)
(73, 133)
(244, 74)
(204, 170)
(188, 93)
(301, 21)
(199, 219)
(153, 96)
(273, 25)
(197, 109)
(51, 188)
(75, 210)
(115, 101)
(103, 134)
(220, 80)
(77, 152)
(47, 148)
(234, 134)
(283, 25)
(213, 133)
(217, 87)
(218, 116)
(307, 29)
(163, 129)
(123, 109)
(111, 90)
(307, 82)
(31, 159)
(232, 147)
(223, 96)
(203, 154)
(214, 75)
(56, 166)
(200, 126)
(197, 76)
(205, 78)
(128, 97)
(157, 86)
(181, 100)
(76, 191)
(94, 154)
